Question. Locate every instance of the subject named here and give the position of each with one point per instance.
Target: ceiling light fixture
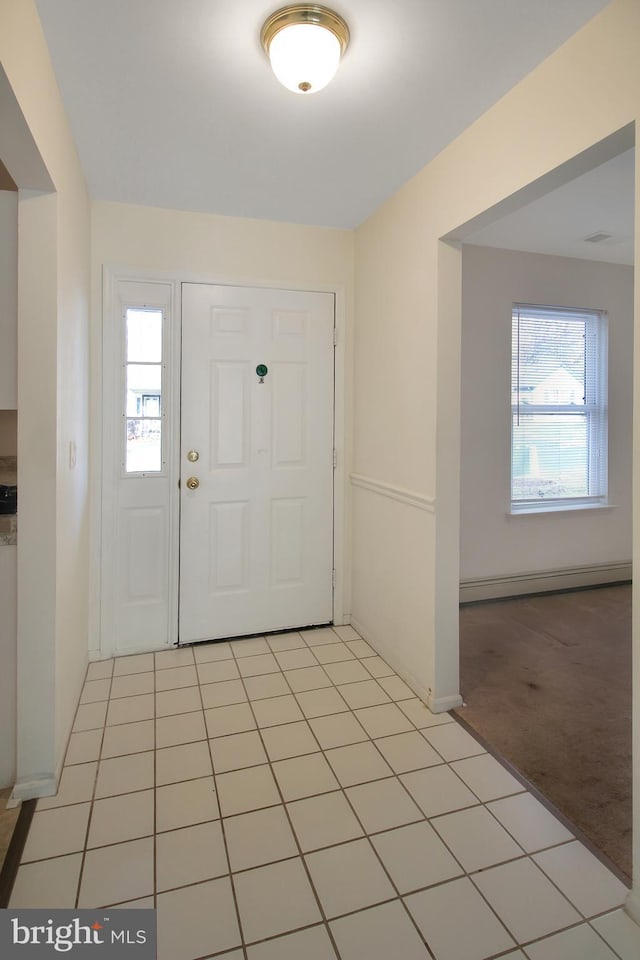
(304, 43)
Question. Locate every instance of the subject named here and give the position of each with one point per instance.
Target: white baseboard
(31, 789)
(632, 906)
(443, 704)
(542, 581)
(435, 705)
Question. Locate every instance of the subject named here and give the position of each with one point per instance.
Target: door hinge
(335, 458)
(335, 336)
(333, 579)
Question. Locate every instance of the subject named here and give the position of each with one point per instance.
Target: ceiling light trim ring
(311, 13)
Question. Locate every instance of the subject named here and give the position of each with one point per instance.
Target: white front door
(256, 532)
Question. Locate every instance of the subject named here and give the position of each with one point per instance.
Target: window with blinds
(559, 408)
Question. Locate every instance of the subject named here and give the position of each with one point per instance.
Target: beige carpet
(547, 682)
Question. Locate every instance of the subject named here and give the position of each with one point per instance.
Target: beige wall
(53, 332)
(407, 378)
(493, 543)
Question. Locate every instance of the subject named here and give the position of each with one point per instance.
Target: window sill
(530, 510)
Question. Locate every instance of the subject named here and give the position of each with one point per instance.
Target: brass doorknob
(193, 483)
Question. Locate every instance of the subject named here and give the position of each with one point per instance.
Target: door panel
(256, 541)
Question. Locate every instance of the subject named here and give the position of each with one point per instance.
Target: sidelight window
(143, 384)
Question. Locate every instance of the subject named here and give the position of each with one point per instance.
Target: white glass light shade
(305, 57)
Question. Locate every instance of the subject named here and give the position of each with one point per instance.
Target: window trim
(596, 413)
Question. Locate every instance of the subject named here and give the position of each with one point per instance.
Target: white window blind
(559, 408)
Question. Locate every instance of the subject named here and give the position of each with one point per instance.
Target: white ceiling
(601, 201)
(172, 102)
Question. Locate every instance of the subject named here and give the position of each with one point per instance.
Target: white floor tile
(383, 721)
(117, 873)
(408, 751)
(48, 884)
(321, 703)
(128, 738)
(377, 667)
(76, 785)
(379, 933)
(244, 790)
(275, 899)
(486, 777)
(121, 818)
(420, 715)
(588, 884)
(366, 693)
(310, 944)
(267, 685)
(285, 641)
(347, 632)
(581, 943)
(347, 671)
(259, 837)
(100, 669)
(304, 776)
(83, 747)
(190, 855)
(237, 751)
(332, 653)
(382, 805)
(233, 719)
(396, 688)
(183, 728)
(348, 877)
(415, 857)
(529, 822)
(125, 774)
(197, 921)
(337, 730)
(308, 678)
(438, 790)
(512, 888)
(222, 694)
(175, 678)
(319, 637)
(620, 932)
(289, 740)
(358, 763)
(180, 657)
(217, 671)
(323, 821)
(54, 833)
(95, 690)
(184, 804)
(452, 742)
(188, 761)
(476, 839)
(360, 649)
(137, 663)
(255, 666)
(277, 710)
(131, 709)
(293, 659)
(90, 716)
(210, 652)
(132, 685)
(457, 923)
(249, 646)
(171, 702)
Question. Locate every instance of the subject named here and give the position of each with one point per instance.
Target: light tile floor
(289, 797)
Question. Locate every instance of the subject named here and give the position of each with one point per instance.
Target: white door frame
(106, 364)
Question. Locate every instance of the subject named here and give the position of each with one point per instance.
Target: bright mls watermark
(79, 934)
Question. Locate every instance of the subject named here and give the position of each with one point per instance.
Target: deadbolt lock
(193, 483)
(192, 456)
